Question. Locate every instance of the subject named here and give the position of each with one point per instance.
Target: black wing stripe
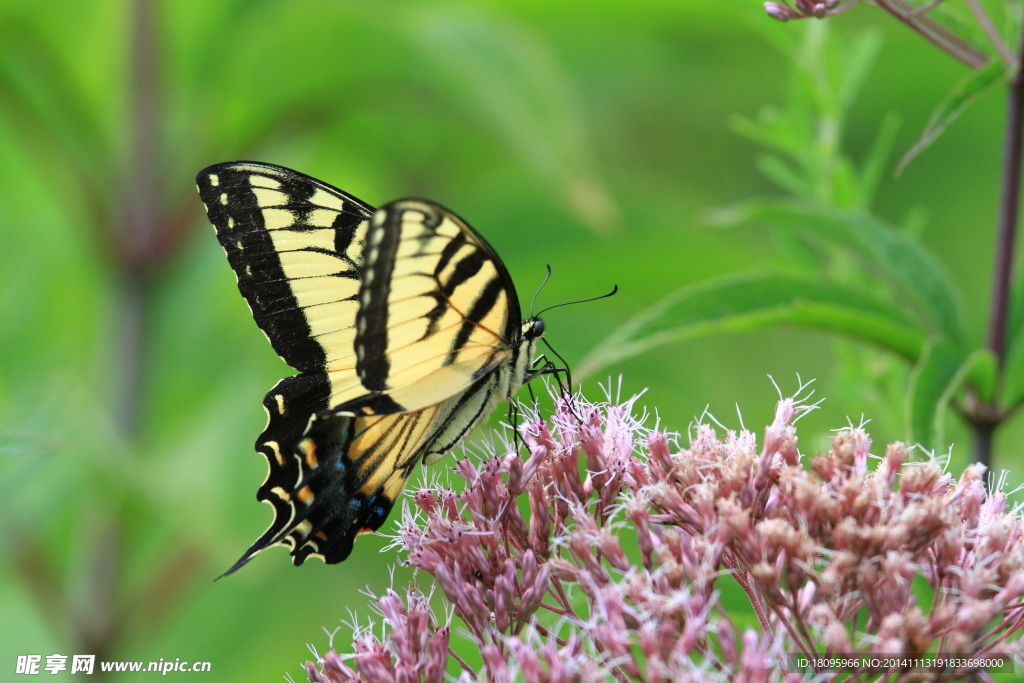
(289, 406)
(481, 307)
(464, 270)
(457, 422)
(261, 277)
(372, 320)
(325, 303)
(448, 253)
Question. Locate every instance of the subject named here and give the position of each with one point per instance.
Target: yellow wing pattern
(437, 309)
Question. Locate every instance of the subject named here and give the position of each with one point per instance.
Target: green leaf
(23, 446)
(877, 158)
(914, 223)
(756, 301)
(963, 94)
(845, 187)
(982, 371)
(783, 174)
(943, 368)
(911, 271)
(857, 62)
(774, 128)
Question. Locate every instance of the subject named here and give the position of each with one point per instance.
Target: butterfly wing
(437, 309)
(397, 325)
(347, 471)
(295, 245)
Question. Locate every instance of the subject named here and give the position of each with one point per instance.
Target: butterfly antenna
(546, 278)
(615, 290)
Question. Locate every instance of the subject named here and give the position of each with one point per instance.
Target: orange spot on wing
(310, 447)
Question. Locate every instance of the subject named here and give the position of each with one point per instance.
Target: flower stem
(1003, 271)
(138, 235)
(455, 655)
(944, 39)
(985, 21)
(1008, 210)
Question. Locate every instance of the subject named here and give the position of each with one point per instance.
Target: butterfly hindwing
(346, 471)
(342, 480)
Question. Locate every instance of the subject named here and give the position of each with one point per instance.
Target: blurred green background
(585, 135)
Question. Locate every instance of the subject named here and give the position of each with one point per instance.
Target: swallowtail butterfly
(404, 326)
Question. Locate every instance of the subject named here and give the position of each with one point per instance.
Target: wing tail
(344, 475)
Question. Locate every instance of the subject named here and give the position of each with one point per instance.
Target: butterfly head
(533, 329)
(526, 365)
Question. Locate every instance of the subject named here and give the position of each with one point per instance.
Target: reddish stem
(987, 421)
(1008, 211)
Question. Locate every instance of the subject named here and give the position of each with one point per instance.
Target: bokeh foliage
(591, 136)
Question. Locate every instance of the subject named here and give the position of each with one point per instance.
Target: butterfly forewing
(295, 245)
(437, 308)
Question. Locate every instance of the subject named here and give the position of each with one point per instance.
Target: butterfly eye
(538, 329)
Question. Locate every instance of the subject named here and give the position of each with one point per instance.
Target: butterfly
(403, 323)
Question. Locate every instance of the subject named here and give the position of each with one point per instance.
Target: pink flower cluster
(416, 648)
(603, 555)
(804, 9)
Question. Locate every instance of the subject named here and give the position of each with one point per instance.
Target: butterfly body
(405, 327)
